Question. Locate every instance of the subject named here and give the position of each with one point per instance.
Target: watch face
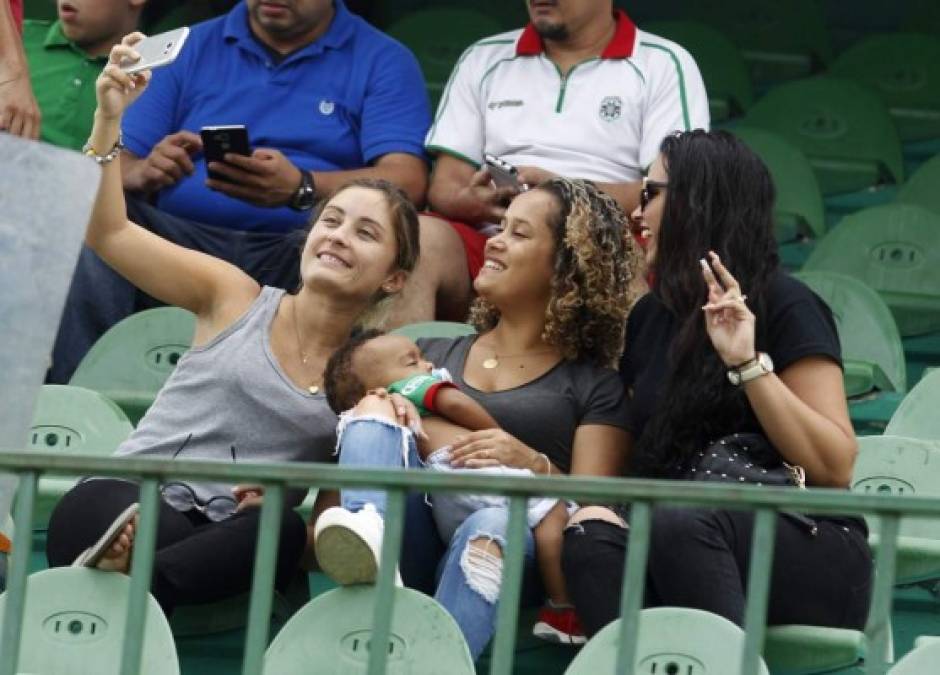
(766, 362)
(734, 377)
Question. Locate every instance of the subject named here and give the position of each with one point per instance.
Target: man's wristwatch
(306, 195)
(751, 370)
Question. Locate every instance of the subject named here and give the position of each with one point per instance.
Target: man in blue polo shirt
(325, 98)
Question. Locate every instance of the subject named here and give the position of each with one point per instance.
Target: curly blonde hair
(597, 262)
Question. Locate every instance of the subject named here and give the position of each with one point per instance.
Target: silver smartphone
(157, 50)
(502, 172)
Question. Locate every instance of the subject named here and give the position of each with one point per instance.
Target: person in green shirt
(65, 57)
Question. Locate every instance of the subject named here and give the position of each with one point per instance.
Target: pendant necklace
(313, 388)
(493, 361)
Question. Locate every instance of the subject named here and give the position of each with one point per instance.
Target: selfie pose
(323, 98)
(727, 359)
(249, 390)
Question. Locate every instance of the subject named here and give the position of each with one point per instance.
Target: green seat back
(845, 130)
(131, 361)
(895, 249)
(920, 661)
(904, 70)
(331, 634)
(72, 420)
(872, 352)
(894, 465)
(921, 187)
(921, 16)
(508, 15)
(723, 68)
(73, 624)
(435, 329)
(779, 40)
(40, 9)
(799, 208)
(918, 416)
(670, 640)
(439, 36)
(792, 649)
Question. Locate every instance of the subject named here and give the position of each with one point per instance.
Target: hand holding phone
(504, 174)
(157, 50)
(218, 140)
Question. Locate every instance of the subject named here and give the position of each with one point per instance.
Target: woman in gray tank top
(249, 389)
(554, 293)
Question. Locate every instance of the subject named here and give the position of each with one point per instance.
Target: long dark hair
(720, 197)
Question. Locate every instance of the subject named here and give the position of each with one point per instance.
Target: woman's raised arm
(173, 274)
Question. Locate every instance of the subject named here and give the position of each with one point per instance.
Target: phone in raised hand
(156, 50)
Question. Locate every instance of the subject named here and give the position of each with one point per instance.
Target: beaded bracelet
(104, 159)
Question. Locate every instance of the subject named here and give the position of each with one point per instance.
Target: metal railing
(643, 494)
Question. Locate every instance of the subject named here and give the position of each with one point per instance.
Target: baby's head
(367, 361)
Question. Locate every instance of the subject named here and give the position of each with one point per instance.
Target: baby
(375, 360)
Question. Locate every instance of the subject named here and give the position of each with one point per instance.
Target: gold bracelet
(89, 151)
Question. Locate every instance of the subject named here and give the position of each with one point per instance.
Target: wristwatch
(751, 370)
(306, 195)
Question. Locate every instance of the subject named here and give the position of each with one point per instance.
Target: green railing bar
(507, 613)
(577, 488)
(385, 592)
(19, 567)
(145, 540)
(878, 630)
(262, 583)
(634, 584)
(758, 589)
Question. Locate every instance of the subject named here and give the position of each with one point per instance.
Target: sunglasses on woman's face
(650, 189)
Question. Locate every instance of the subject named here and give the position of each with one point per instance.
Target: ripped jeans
(468, 579)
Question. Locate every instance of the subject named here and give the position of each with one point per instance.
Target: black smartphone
(216, 141)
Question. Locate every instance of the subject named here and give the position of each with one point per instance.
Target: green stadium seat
(508, 15)
(439, 36)
(158, 19)
(872, 353)
(800, 212)
(73, 624)
(130, 362)
(921, 187)
(904, 70)
(727, 80)
(331, 634)
(844, 129)
(671, 640)
(895, 249)
(918, 416)
(920, 661)
(72, 420)
(779, 40)
(803, 650)
(895, 465)
(435, 329)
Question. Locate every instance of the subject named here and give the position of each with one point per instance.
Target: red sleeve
(431, 394)
(17, 8)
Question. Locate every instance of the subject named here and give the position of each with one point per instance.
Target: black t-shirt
(797, 324)
(544, 413)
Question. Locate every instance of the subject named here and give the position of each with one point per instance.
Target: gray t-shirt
(544, 413)
(232, 393)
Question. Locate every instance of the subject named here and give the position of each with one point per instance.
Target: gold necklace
(313, 388)
(493, 361)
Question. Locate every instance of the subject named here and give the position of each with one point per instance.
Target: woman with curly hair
(554, 293)
(707, 365)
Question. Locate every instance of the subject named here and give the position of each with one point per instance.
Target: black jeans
(99, 297)
(196, 561)
(699, 558)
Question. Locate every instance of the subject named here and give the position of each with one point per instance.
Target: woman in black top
(718, 302)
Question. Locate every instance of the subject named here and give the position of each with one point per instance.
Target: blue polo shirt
(339, 103)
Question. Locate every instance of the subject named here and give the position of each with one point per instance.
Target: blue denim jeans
(466, 585)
